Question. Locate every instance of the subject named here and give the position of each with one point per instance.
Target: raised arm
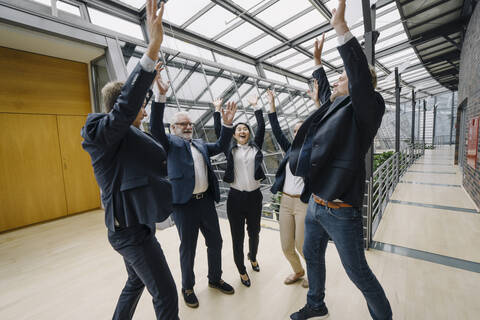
(217, 118)
(157, 126)
(110, 129)
(277, 131)
(322, 88)
(368, 105)
(260, 132)
(221, 145)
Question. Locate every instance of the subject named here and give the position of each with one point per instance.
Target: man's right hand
(317, 50)
(271, 100)
(338, 19)
(154, 27)
(218, 104)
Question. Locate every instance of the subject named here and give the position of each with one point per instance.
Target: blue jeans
(344, 226)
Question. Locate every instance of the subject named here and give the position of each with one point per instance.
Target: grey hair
(175, 117)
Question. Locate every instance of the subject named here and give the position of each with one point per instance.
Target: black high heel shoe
(246, 283)
(254, 267)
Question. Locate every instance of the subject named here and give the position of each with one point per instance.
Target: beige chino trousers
(292, 225)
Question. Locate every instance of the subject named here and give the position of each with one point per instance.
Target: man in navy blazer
(130, 168)
(195, 190)
(329, 149)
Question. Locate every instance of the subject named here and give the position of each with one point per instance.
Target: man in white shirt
(195, 190)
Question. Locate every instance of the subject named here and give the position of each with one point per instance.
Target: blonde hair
(110, 93)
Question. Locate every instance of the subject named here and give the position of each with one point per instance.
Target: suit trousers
(292, 226)
(189, 218)
(244, 207)
(146, 267)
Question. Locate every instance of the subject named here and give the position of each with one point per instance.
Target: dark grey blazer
(130, 166)
(330, 147)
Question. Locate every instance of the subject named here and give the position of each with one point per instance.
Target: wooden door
(31, 178)
(81, 188)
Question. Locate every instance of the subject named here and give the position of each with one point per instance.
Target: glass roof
(270, 31)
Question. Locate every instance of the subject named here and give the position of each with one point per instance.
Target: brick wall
(469, 87)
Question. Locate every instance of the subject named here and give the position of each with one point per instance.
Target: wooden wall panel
(32, 83)
(31, 179)
(80, 185)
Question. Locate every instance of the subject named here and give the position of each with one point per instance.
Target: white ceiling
(31, 41)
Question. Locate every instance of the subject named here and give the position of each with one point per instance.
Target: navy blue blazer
(323, 95)
(130, 166)
(257, 143)
(330, 146)
(181, 170)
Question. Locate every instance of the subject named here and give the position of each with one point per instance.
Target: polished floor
(66, 269)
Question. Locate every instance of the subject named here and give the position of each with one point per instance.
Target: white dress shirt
(244, 168)
(293, 185)
(201, 173)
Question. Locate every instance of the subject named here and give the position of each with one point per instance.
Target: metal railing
(380, 187)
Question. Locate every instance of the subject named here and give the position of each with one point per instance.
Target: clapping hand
(160, 88)
(338, 18)
(154, 27)
(229, 113)
(218, 104)
(314, 94)
(253, 100)
(271, 100)
(317, 50)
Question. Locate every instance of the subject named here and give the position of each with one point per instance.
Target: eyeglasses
(184, 124)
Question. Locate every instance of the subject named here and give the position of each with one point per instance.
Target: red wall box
(472, 147)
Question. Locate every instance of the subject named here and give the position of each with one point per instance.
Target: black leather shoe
(255, 268)
(190, 298)
(222, 286)
(246, 283)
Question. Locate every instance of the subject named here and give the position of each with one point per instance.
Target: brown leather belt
(331, 204)
(291, 195)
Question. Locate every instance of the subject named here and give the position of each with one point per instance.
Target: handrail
(383, 182)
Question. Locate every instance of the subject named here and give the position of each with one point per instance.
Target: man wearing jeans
(329, 149)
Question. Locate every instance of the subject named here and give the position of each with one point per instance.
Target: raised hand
(154, 27)
(160, 88)
(317, 50)
(229, 113)
(314, 94)
(218, 104)
(271, 100)
(253, 100)
(338, 18)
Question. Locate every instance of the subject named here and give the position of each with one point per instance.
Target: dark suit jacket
(130, 166)
(330, 146)
(323, 95)
(181, 170)
(257, 143)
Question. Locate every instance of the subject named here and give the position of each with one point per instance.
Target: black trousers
(244, 206)
(146, 267)
(191, 217)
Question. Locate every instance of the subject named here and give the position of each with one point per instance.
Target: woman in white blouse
(244, 173)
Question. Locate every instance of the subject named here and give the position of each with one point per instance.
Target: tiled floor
(66, 269)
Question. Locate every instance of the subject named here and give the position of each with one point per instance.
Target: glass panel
(297, 83)
(99, 79)
(388, 18)
(45, 2)
(236, 64)
(261, 46)
(275, 76)
(299, 58)
(282, 10)
(193, 87)
(179, 11)
(116, 24)
(212, 22)
(68, 8)
(302, 24)
(217, 89)
(185, 47)
(384, 42)
(135, 3)
(284, 54)
(240, 35)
